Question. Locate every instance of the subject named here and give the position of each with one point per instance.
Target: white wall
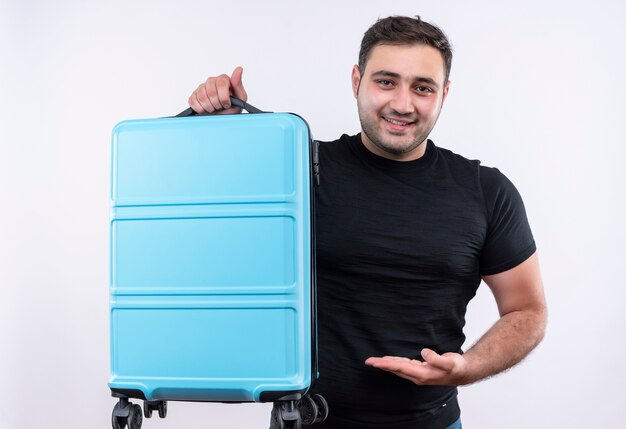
(537, 91)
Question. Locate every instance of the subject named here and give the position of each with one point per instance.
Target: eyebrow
(422, 79)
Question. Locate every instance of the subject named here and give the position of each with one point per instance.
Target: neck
(415, 153)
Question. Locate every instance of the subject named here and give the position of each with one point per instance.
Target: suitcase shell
(211, 285)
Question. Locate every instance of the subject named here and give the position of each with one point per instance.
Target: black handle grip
(233, 100)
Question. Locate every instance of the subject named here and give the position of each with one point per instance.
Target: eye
(423, 90)
(385, 83)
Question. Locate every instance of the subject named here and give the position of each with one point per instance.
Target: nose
(402, 102)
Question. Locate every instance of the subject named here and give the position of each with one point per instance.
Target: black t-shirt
(401, 247)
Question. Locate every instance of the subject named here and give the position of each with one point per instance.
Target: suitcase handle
(234, 101)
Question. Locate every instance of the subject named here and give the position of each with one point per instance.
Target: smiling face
(399, 97)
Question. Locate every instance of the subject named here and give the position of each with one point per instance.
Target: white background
(537, 90)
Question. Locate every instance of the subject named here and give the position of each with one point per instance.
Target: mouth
(398, 124)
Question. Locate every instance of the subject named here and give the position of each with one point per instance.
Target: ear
(445, 91)
(356, 80)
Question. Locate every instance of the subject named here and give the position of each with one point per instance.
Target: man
(405, 232)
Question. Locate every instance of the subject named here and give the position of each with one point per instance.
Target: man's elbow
(540, 322)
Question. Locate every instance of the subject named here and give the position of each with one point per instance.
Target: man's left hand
(448, 369)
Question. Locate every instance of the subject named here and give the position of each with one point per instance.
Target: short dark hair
(404, 30)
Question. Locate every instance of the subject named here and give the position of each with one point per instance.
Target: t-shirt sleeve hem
(511, 263)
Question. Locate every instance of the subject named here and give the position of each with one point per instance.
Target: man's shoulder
(487, 173)
(465, 171)
(492, 181)
(455, 158)
(338, 149)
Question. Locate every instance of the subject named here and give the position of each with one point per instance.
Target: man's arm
(522, 324)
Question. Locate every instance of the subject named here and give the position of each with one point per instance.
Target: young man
(406, 231)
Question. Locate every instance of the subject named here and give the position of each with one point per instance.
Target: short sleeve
(509, 240)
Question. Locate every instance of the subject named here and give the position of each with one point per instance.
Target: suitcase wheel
(322, 407)
(119, 422)
(135, 419)
(285, 415)
(162, 409)
(147, 410)
(126, 414)
(308, 410)
(313, 409)
(121, 412)
(150, 406)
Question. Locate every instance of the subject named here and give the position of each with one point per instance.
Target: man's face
(399, 98)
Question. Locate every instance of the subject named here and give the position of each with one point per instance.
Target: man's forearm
(508, 341)
(522, 325)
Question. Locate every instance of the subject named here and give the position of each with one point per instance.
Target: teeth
(396, 122)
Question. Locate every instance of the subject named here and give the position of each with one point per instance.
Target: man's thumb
(237, 84)
(436, 360)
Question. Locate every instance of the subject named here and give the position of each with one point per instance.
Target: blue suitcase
(212, 287)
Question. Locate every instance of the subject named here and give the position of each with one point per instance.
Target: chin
(396, 150)
(400, 148)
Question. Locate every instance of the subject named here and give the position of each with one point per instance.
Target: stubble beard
(370, 129)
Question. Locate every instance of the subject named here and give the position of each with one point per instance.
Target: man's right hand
(213, 96)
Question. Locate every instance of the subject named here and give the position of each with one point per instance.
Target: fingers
(442, 362)
(221, 98)
(213, 96)
(374, 361)
(200, 101)
(216, 95)
(203, 99)
(195, 103)
(393, 363)
(446, 369)
(408, 369)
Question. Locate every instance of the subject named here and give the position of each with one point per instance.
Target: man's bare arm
(523, 316)
(522, 324)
